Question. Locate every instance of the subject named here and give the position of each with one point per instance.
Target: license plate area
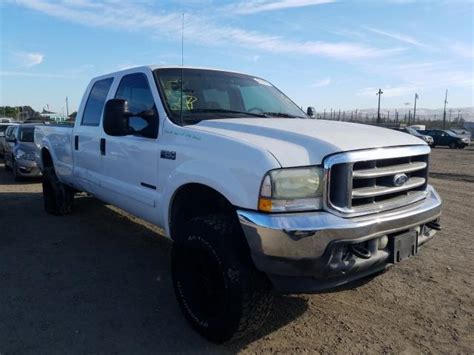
(404, 246)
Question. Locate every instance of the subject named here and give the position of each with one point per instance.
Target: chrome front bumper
(305, 244)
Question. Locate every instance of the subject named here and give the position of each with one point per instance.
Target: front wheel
(58, 198)
(453, 145)
(217, 286)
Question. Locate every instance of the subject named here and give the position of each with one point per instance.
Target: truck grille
(375, 180)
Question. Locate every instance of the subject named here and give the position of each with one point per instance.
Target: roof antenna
(182, 65)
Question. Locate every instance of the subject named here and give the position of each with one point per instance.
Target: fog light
(383, 242)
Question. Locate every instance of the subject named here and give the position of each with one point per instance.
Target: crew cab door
(86, 138)
(130, 163)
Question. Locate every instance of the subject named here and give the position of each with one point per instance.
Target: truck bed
(58, 139)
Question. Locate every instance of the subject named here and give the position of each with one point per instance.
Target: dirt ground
(98, 281)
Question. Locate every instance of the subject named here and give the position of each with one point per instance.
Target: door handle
(102, 146)
(76, 142)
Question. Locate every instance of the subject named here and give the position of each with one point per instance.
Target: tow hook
(360, 251)
(434, 225)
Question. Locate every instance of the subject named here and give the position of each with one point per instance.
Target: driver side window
(135, 89)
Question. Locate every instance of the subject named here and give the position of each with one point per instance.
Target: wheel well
(46, 158)
(195, 200)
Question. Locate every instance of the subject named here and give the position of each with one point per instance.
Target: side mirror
(311, 112)
(116, 117)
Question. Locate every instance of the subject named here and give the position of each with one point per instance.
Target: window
(135, 89)
(193, 95)
(95, 102)
(27, 134)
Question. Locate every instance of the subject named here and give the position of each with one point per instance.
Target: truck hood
(299, 142)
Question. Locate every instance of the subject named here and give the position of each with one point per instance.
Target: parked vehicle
(20, 152)
(414, 132)
(462, 133)
(3, 128)
(257, 197)
(446, 138)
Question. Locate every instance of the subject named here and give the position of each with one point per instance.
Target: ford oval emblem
(400, 179)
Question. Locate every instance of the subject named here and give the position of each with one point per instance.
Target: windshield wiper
(222, 110)
(281, 114)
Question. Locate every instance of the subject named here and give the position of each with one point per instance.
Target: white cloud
(321, 83)
(135, 17)
(419, 77)
(398, 36)
(255, 6)
(29, 60)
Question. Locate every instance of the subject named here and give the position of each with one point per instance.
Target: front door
(130, 163)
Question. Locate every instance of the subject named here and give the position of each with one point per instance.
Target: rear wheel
(217, 286)
(58, 198)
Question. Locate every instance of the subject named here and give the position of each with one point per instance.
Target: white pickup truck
(257, 197)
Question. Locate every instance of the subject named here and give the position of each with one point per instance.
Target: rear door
(130, 163)
(86, 138)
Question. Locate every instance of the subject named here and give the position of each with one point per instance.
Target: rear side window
(95, 102)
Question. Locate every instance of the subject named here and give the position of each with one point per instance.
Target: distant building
(53, 116)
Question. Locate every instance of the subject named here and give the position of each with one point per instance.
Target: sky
(321, 53)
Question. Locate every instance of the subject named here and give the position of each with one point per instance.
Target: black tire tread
(257, 299)
(58, 198)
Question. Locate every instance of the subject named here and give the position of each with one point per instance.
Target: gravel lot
(98, 281)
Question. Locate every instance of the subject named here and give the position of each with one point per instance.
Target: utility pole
(406, 114)
(444, 112)
(339, 115)
(388, 115)
(450, 112)
(67, 107)
(379, 93)
(414, 108)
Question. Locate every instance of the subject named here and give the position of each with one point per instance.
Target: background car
(446, 138)
(20, 152)
(428, 139)
(3, 128)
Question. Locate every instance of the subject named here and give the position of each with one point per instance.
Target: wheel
(17, 177)
(7, 168)
(453, 145)
(58, 198)
(218, 288)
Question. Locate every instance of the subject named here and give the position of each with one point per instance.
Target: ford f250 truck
(257, 198)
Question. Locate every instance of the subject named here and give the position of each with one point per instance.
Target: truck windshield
(211, 94)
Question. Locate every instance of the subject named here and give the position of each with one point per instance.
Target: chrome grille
(363, 182)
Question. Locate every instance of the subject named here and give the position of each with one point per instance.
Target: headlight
(294, 189)
(25, 155)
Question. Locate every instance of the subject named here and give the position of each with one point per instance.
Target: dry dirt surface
(98, 281)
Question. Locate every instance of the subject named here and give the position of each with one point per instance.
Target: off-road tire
(240, 296)
(58, 198)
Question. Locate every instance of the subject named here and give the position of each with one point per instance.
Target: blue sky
(323, 53)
